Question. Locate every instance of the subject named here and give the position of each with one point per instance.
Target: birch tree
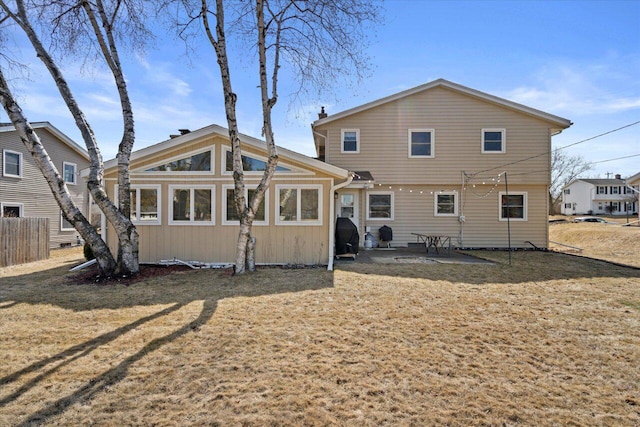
(75, 25)
(317, 42)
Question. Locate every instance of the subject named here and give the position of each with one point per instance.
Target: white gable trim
(557, 120)
(55, 131)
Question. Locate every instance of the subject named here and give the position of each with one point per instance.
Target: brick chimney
(618, 176)
(322, 114)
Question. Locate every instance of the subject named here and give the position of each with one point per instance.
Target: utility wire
(558, 149)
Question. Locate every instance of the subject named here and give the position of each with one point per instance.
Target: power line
(559, 148)
(617, 158)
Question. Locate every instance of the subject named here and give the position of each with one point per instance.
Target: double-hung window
(379, 205)
(446, 204)
(64, 224)
(229, 208)
(69, 172)
(145, 204)
(421, 142)
(11, 164)
(11, 210)
(191, 205)
(350, 141)
(601, 189)
(494, 140)
(513, 206)
(299, 205)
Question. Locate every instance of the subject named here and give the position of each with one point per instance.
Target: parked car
(590, 219)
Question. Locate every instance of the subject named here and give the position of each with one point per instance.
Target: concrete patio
(410, 256)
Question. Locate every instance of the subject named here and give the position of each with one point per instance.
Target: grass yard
(549, 340)
(604, 241)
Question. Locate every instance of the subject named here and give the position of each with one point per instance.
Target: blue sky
(576, 59)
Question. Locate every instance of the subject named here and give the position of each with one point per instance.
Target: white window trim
(4, 164)
(392, 205)
(342, 132)
(75, 172)
(504, 140)
(455, 203)
(158, 189)
(223, 164)
(433, 143)
(143, 170)
(525, 201)
(298, 188)
(227, 187)
(9, 204)
(62, 227)
(192, 201)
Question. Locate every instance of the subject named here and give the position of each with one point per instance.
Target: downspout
(332, 223)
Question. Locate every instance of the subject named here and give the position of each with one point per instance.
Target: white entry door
(348, 206)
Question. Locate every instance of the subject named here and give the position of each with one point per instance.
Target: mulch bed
(91, 275)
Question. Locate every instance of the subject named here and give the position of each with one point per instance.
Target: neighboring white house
(615, 196)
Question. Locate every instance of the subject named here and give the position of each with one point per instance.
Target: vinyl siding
(457, 120)
(275, 244)
(414, 213)
(32, 189)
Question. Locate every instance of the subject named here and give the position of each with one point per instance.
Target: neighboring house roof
(559, 122)
(603, 181)
(8, 127)
(633, 178)
(244, 139)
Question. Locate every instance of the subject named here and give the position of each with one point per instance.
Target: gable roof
(244, 139)
(8, 127)
(603, 181)
(559, 122)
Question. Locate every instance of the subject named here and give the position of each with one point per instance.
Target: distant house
(434, 160)
(613, 196)
(23, 190)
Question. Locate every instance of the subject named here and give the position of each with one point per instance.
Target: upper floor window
(191, 205)
(421, 142)
(229, 208)
(601, 189)
(493, 140)
(350, 141)
(299, 205)
(513, 206)
(615, 190)
(11, 210)
(567, 191)
(12, 163)
(249, 164)
(379, 205)
(197, 162)
(446, 204)
(69, 172)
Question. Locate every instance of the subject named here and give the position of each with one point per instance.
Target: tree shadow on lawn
(58, 287)
(526, 266)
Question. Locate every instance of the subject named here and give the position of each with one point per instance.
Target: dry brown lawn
(548, 340)
(603, 241)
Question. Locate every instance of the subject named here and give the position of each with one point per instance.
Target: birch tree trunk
(105, 260)
(119, 218)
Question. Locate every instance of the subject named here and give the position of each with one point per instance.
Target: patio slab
(405, 255)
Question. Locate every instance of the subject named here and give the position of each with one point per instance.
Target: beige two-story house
(444, 159)
(24, 192)
(439, 159)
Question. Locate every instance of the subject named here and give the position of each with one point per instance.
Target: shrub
(88, 253)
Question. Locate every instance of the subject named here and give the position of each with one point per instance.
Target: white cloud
(582, 89)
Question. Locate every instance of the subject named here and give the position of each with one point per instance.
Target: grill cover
(385, 233)
(347, 237)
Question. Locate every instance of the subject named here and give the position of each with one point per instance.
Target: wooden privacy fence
(23, 240)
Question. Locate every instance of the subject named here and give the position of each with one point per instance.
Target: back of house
(444, 159)
(24, 192)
